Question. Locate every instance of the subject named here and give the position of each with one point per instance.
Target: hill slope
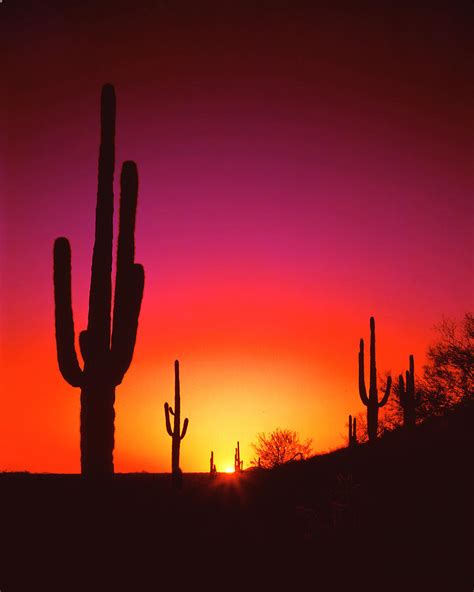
(398, 512)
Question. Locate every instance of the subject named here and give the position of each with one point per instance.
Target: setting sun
(229, 470)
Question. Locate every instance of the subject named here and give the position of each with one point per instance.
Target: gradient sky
(303, 165)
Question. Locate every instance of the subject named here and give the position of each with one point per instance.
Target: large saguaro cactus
(372, 401)
(409, 399)
(176, 434)
(107, 345)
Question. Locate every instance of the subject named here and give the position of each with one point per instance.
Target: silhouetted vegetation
(408, 397)
(176, 433)
(315, 508)
(106, 346)
(446, 380)
(372, 401)
(238, 464)
(212, 466)
(279, 447)
(411, 490)
(448, 376)
(352, 440)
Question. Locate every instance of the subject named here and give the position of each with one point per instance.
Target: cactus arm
(362, 389)
(416, 395)
(101, 283)
(64, 320)
(185, 428)
(84, 345)
(387, 392)
(373, 365)
(167, 418)
(129, 279)
(124, 335)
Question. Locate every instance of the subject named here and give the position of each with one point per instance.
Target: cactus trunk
(97, 430)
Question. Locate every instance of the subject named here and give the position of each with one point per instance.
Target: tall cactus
(372, 401)
(212, 466)
(107, 345)
(409, 399)
(352, 432)
(175, 433)
(238, 464)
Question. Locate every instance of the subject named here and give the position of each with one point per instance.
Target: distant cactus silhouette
(372, 401)
(238, 464)
(176, 434)
(352, 431)
(107, 345)
(409, 399)
(212, 466)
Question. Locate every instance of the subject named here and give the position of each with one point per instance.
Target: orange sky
(247, 366)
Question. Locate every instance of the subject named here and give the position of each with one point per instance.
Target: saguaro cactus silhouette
(107, 345)
(176, 434)
(372, 401)
(238, 464)
(352, 431)
(409, 399)
(212, 466)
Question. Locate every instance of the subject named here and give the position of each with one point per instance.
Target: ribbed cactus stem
(371, 401)
(408, 397)
(107, 351)
(175, 432)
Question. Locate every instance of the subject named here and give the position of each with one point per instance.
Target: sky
(303, 165)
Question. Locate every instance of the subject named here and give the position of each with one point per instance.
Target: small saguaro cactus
(352, 431)
(176, 434)
(212, 466)
(409, 399)
(108, 343)
(372, 401)
(238, 464)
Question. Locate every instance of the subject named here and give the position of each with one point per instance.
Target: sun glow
(229, 470)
